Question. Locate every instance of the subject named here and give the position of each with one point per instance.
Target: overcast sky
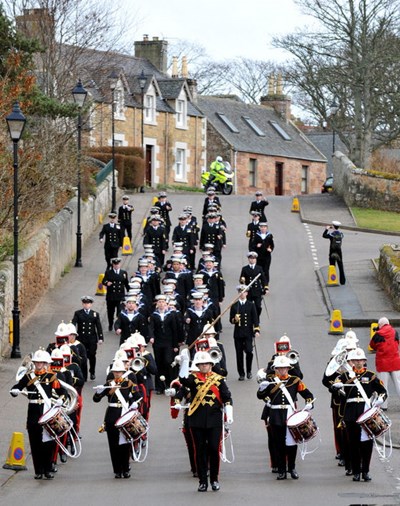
(226, 28)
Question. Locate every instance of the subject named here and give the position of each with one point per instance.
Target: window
(180, 113)
(180, 165)
(149, 108)
(253, 126)
(253, 171)
(304, 179)
(280, 131)
(227, 122)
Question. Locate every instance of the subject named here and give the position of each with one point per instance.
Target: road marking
(312, 246)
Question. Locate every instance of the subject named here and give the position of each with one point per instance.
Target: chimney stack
(153, 50)
(174, 72)
(276, 99)
(184, 72)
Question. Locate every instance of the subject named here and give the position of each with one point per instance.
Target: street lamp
(142, 83)
(16, 123)
(79, 94)
(333, 108)
(113, 84)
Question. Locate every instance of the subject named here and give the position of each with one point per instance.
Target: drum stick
(108, 386)
(311, 402)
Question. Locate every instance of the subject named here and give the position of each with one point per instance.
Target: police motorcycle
(222, 182)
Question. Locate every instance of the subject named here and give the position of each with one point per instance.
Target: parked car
(327, 186)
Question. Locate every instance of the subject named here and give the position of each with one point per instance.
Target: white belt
(114, 405)
(355, 399)
(279, 406)
(36, 401)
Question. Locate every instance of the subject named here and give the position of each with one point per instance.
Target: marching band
(175, 310)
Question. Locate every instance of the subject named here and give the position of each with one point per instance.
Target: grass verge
(378, 220)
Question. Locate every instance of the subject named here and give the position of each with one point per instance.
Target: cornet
(215, 354)
(293, 356)
(138, 364)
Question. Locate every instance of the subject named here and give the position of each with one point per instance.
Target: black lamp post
(16, 123)
(142, 83)
(79, 94)
(113, 84)
(333, 108)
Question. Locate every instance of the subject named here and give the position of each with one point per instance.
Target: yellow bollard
(126, 246)
(155, 199)
(100, 219)
(373, 328)
(16, 453)
(332, 276)
(336, 322)
(144, 223)
(295, 205)
(101, 289)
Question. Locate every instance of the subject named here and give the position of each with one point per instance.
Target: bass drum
(302, 426)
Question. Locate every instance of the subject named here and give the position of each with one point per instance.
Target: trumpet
(138, 364)
(293, 356)
(215, 354)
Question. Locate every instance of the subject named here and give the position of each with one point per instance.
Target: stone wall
(48, 254)
(363, 190)
(389, 272)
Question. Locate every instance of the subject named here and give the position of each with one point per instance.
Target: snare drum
(132, 425)
(374, 422)
(302, 426)
(56, 422)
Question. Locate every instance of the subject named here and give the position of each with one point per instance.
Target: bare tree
(351, 57)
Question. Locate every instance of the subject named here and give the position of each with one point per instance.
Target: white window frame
(181, 113)
(149, 104)
(180, 164)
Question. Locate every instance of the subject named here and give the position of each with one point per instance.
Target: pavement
(362, 300)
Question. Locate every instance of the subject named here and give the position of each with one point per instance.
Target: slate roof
(245, 139)
(324, 142)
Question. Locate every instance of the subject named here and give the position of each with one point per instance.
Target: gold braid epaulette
(295, 380)
(201, 392)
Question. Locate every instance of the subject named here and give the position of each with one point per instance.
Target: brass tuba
(25, 368)
(138, 363)
(70, 402)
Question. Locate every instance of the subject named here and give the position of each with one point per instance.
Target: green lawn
(378, 220)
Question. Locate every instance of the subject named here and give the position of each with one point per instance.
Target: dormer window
(149, 108)
(181, 110)
(119, 101)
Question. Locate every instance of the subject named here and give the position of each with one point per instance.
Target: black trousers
(126, 225)
(207, 443)
(119, 453)
(335, 257)
(360, 451)
(164, 358)
(42, 453)
(109, 253)
(112, 306)
(244, 345)
(91, 349)
(285, 455)
(257, 299)
(265, 264)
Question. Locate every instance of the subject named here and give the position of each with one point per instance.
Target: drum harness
(284, 390)
(381, 451)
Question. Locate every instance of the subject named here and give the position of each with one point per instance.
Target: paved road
(295, 306)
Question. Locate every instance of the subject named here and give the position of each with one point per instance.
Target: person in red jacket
(385, 342)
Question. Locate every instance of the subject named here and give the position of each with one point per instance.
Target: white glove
(308, 406)
(14, 392)
(170, 392)
(58, 402)
(379, 401)
(338, 384)
(100, 389)
(229, 413)
(177, 360)
(263, 385)
(184, 355)
(134, 405)
(177, 406)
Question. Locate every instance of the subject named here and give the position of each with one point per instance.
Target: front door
(278, 178)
